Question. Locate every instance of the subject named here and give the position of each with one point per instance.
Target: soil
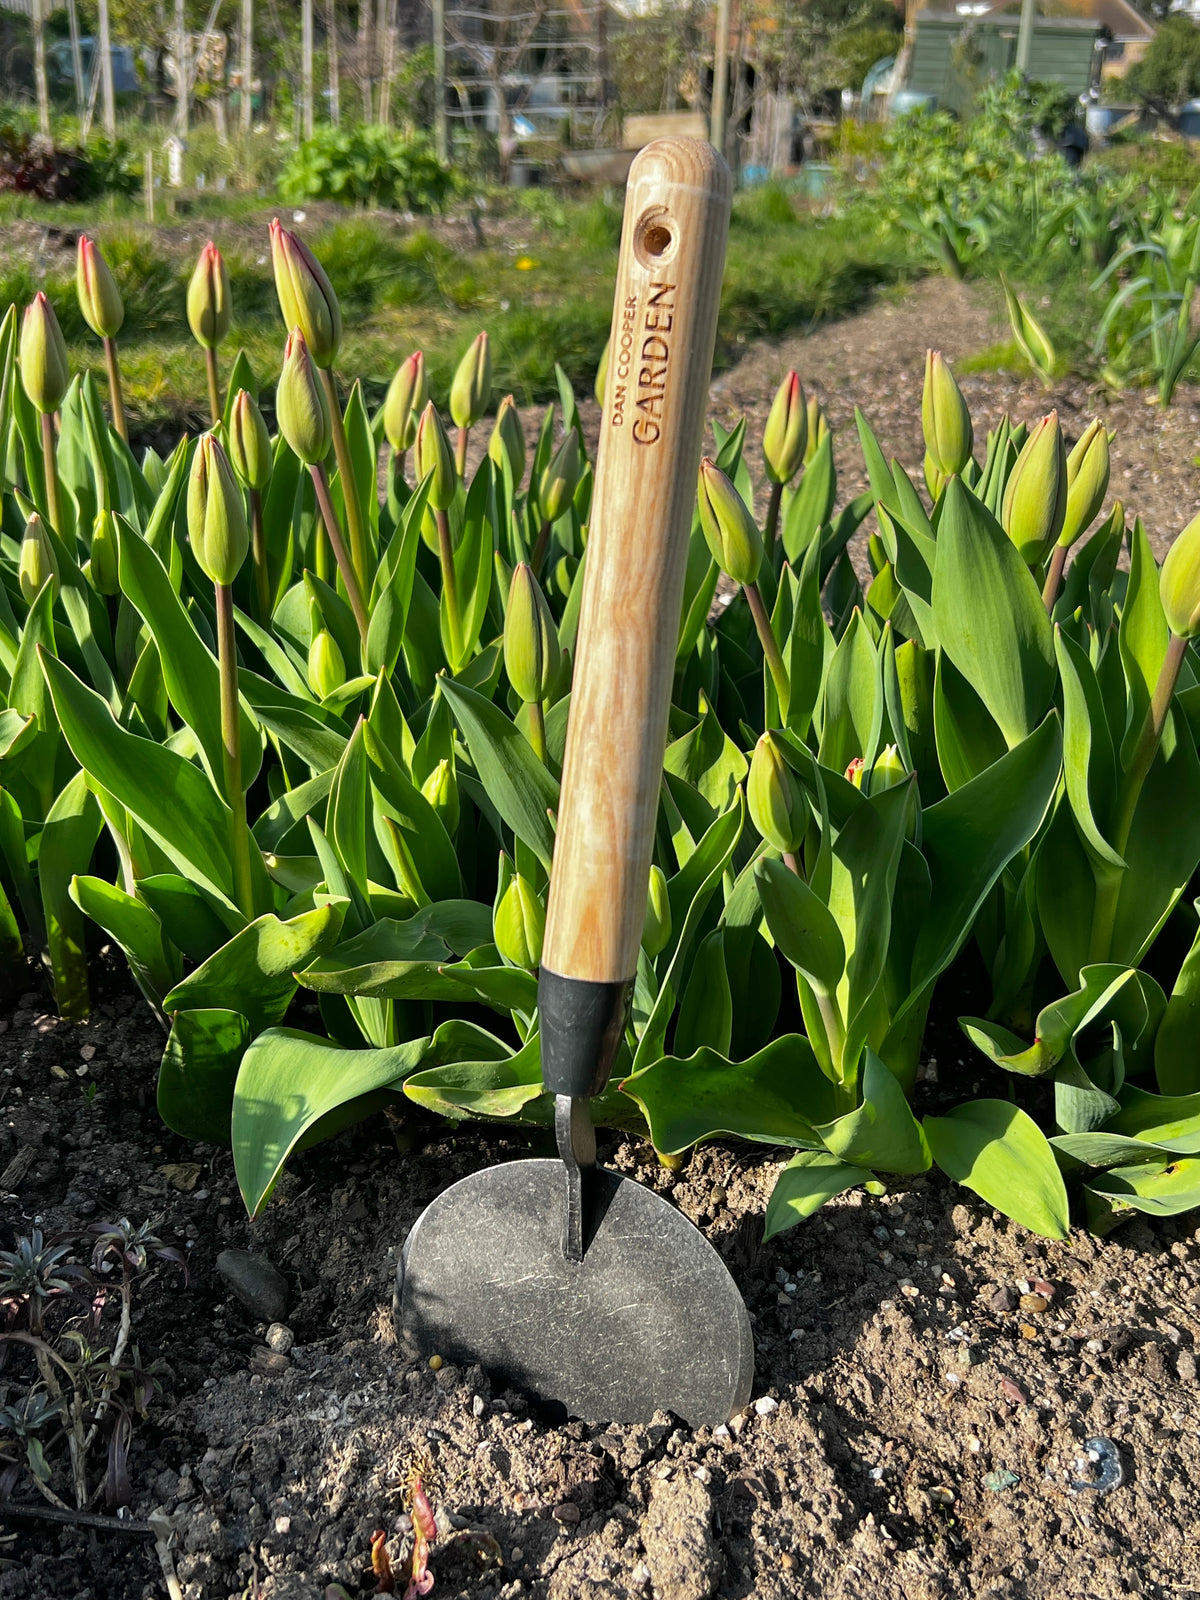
(915, 1432)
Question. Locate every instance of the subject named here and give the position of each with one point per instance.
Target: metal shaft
(576, 1136)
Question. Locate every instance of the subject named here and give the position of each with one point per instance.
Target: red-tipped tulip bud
(818, 428)
(507, 442)
(215, 513)
(405, 401)
(519, 924)
(786, 433)
(37, 561)
(1035, 499)
(209, 307)
(432, 454)
(249, 443)
(730, 530)
(856, 772)
(656, 930)
(1087, 483)
(560, 478)
(441, 790)
(45, 374)
(1179, 583)
(945, 420)
(102, 568)
(778, 808)
(472, 386)
(306, 295)
(99, 298)
(326, 665)
(300, 404)
(532, 654)
(601, 374)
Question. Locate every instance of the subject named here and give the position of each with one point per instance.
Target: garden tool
(560, 1277)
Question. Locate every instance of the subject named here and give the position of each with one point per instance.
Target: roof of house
(1118, 16)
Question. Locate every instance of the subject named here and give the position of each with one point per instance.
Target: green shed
(952, 54)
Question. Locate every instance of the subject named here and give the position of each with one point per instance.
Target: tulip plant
(274, 721)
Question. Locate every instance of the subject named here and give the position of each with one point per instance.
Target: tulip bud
(1087, 482)
(99, 298)
(519, 924)
(432, 454)
(326, 665)
(300, 405)
(508, 439)
(560, 478)
(786, 433)
(44, 370)
(888, 770)
(208, 303)
(306, 295)
(1035, 498)
(405, 401)
(249, 443)
(730, 531)
(441, 790)
(818, 428)
(582, 498)
(656, 930)
(102, 567)
(532, 655)
(856, 772)
(778, 808)
(601, 374)
(215, 513)
(1179, 583)
(472, 386)
(945, 420)
(37, 561)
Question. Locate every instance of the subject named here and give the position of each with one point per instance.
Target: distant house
(1127, 34)
(953, 52)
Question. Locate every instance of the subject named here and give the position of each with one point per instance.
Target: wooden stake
(247, 107)
(306, 68)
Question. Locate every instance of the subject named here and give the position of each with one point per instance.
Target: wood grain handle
(660, 361)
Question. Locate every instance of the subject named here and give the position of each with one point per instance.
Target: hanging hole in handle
(654, 241)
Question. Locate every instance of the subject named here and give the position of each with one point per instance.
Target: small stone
(280, 1338)
(721, 1432)
(765, 1405)
(736, 1424)
(1035, 1304)
(478, 1405)
(1013, 1392)
(640, 1574)
(283, 1524)
(88, 1052)
(566, 1512)
(1094, 1346)
(516, 1555)
(435, 1363)
(1040, 1286)
(1185, 1367)
(717, 1195)
(1004, 1299)
(259, 1285)
(1028, 1331)
(787, 1560)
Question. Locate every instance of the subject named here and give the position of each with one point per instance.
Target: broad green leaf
(706, 1009)
(1142, 637)
(708, 759)
(1177, 1047)
(852, 706)
(69, 836)
(420, 850)
(1100, 1149)
(812, 504)
(882, 1132)
(1088, 762)
(1057, 1024)
(967, 739)
(804, 1185)
(1172, 1121)
(496, 1084)
(394, 584)
(520, 787)
(155, 963)
(198, 1071)
(1155, 1188)
(998, 1150)
(801, 924)
(195, 920)
(478, 979)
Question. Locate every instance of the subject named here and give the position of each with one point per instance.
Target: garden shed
(952, 54)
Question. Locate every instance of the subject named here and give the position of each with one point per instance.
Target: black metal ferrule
(581, 1024)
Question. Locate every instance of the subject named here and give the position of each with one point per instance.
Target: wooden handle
(660, 361)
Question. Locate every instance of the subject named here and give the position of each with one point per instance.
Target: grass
(543, 290)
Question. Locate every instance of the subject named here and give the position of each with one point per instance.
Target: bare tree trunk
(720, 88)
(306, 68)
(106, 73)
(331, 45)
(366, 77)
(41, 86)
(183, 74)
(247, 106)
(387, 37)
(76, 57)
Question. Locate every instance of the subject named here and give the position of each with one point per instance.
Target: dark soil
(913, 1434)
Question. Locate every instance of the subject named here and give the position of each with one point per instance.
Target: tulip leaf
(706, 1009)
(154, 962)
(1172, 1121)
(497, 1083)
(882, 1132)
(1103, 1149)
(809, 1179)
(852, 703)
(991, 621)
(420, 850)
(967, 739)
(997, 1150)
(520, 787)
(802, 925)
(1155, 1188)
(1088, 762)
(393, 587)
(1142, 636)
(810, 508)
(69, 836)
(198, 1071)
(1176, 1048)
(479, 979)
(195, 920)
(317, 736)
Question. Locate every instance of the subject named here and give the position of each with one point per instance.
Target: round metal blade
(649, 1320)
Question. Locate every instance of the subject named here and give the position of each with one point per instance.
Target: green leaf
(517, 783)
(1156, 1188)
(69, 836)
(990, 617)
(882, 1132)
(852, 706)
(1089, 765)
(195, 920)
(497, 1084)
(804, 1185)
(706, 1010)
(1172, 1121)
(1177, 1047)
(812, 504)
(1100, 1149)
(1142, 636)
(155, 964)
(421, 852)
(967, 739)
(997, 1150)
(394, 584)
(801, 924)
(480, 978)
(198, 1071)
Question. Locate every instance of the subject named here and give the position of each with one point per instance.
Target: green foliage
(368, 165)
(1169, 72)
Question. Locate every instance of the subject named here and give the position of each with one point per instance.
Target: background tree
(1169, 72)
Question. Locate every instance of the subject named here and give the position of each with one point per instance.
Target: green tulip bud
(786, 433)
(306, 295)
(601, 374)
(1087, 482)
(249, 443)
(507, 442)
(818, 428)
(432, 454)
(888, 770)
(208, 305)
(730, 530)
(1035, 498)
(656, 930)
(103, 567)
(560, 478)
(532, 655)
(300, 405)
(441, 790)
(519, 924)
(215, 513)
(1179, 583)
(778, 808)
(405, 401)
(37, 562)
(945, 420)
(45, 374)
(99, 298)
(326, 664)
(472, 386)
